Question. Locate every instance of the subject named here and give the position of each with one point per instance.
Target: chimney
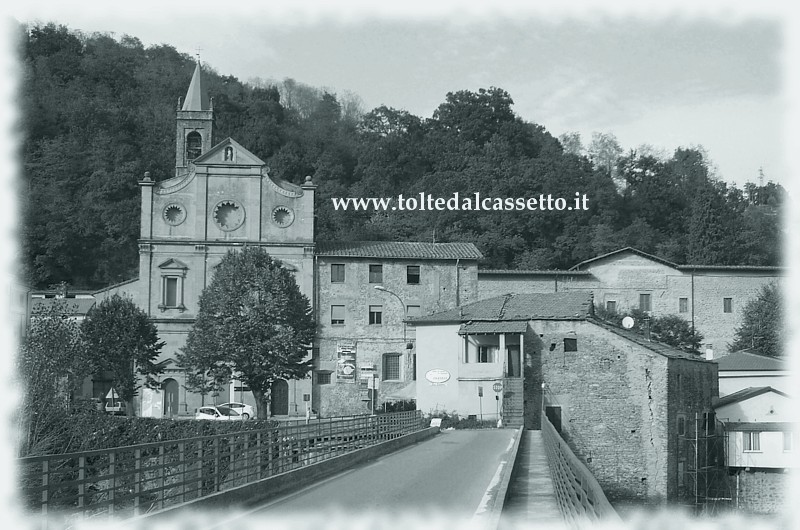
(709, 353)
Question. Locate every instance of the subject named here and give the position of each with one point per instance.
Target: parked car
(246, 411)
(115, 407)
(218, 413)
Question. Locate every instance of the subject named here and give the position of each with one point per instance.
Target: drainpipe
(693, 269)
(458, 285)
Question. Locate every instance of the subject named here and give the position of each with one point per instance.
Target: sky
(667, 78)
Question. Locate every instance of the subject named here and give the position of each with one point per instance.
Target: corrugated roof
(519, 272)
(745, 394)
(398, 250)
(534, 306)
(746, 361)
(74, 306)
(513, 326)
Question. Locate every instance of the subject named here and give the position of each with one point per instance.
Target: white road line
(488, 495)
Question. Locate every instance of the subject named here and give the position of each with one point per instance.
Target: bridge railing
(137, 479)
(580, 497)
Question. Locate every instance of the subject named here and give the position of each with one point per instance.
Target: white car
(246, 411)
(218, 413)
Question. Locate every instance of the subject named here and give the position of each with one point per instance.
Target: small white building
(744, 369)
(757, 421)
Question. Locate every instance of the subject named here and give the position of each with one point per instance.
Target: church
(221, 198)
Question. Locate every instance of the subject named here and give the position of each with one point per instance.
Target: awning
(503, 326)
(404, 393)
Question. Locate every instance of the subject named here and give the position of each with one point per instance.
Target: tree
(676, 331)
(124, 343)
(254, 325)
(761, 330)
(52, 362)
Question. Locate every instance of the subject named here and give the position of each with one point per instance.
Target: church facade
(221, 198)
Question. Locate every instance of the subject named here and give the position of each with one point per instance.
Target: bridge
(388, 466)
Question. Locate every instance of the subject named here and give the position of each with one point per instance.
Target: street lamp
(402, 305)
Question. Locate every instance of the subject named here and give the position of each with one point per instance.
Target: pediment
(228, 152)
(173, 263)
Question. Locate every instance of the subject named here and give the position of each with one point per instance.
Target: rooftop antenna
(197, 53)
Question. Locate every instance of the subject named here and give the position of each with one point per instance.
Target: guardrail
(142, 478)
(580, 497)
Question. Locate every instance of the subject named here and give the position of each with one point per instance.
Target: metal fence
(580, 497)
(141, 478)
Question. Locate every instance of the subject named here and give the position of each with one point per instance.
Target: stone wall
(442, 285)
(761, 492)
(614, 397)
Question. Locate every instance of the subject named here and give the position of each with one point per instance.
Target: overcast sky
(670, 78)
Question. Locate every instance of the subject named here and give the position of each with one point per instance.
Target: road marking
(492, 485)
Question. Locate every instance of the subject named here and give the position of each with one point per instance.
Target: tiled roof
(398, 250)
(536, 306)
(114, 286)
(516, 272)
(622, 250)
(745, 361)
(745, 394)
(74, 306)
(507, 326)
(753, 268)
(657, 347)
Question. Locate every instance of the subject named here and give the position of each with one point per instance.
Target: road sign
(112, 394)
(497, 387)
(480, 391)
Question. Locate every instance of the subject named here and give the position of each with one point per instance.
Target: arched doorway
(279, 400)
(170, 387)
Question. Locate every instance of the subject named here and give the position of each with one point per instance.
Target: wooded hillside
(98, 112)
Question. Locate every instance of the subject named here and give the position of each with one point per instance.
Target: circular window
(174, 214)
(282, 216)
(229, 215)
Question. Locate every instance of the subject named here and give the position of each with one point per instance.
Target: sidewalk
(531, 498)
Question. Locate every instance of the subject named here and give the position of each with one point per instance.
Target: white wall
(440, 347)
(768, 407)
(730, 382)
(770, 453)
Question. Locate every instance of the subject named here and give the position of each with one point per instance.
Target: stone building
(365, 353)
(711, 298)
(621, 401)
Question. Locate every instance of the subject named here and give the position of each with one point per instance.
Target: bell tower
(195, 124)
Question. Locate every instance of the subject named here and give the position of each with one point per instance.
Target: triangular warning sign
(112, 394)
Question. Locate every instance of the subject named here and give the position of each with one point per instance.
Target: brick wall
(762, 492)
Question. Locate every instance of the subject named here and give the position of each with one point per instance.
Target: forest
(98, 111)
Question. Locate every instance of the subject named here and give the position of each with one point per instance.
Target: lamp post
(402, 305)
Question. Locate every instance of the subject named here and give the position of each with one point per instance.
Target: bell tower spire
(195, 123)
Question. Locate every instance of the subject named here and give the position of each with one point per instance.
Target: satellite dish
(627, 322)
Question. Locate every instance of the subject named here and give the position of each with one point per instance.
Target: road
(449, 474)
